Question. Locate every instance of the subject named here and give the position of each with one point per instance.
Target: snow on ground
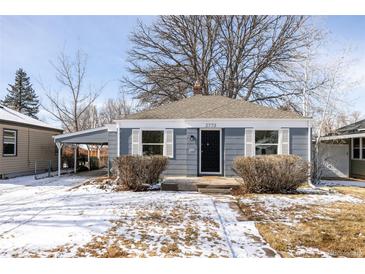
(292, 208)
(52, 218)
(279, 202)
(252, 244)
(342, 183)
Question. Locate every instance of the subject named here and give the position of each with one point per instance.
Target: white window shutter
(169, 143)
(249, 142)
(136, 147)
(284, 141)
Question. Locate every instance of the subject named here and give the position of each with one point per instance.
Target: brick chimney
(197, 88)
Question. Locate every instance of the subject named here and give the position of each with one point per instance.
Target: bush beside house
(271, 173)
(137, 173)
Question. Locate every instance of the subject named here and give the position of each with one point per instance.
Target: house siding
(112, 146)
(186, 152)
(298, 142)
(184, 162)
(125, 141)
(33, 144)
(233, 146)
(178, 164)
(192, 152)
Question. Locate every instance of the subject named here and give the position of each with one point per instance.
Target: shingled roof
(214, 106)
(11, 116)
(353, 128)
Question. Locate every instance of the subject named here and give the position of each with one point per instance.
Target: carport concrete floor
(196, 183)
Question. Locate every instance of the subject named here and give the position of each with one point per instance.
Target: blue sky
(31, 42)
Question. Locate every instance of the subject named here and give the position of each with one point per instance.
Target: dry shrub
(137, 173)
(271, 173)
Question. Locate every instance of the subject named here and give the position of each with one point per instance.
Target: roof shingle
(214, 106)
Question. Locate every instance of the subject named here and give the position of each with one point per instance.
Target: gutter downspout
(310, 154)
(118, 140)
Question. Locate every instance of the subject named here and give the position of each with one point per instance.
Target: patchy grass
(358, 192)
(297, 226)
(173, 232)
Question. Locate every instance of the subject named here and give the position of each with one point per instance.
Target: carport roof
(90, 136)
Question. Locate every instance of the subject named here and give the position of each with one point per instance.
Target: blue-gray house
(202, 135)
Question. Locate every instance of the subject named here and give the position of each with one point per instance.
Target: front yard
(320, 225)
(55, 218)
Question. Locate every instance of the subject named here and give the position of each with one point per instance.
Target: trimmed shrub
(271, 173)
(137, 173)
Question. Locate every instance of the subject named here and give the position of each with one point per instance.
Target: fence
(44, 169)
(48, 168)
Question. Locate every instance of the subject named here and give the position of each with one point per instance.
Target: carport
(96, 136)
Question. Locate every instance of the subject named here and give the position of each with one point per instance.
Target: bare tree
(247, 57)
(69, 105)
(90, 118)
(327, 103)
(114, 109)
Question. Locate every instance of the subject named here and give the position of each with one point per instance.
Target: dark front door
(210, 151)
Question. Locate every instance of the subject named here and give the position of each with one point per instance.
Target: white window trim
(267, 144)
(361, 146)
(12, 143)
(164, 130)
(141, 144)
(220, 151)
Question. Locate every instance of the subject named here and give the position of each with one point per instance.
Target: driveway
(52, 218)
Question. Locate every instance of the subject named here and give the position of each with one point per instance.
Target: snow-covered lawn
(53, 218)
(322, 224)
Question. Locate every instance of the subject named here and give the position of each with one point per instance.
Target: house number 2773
(210, 125)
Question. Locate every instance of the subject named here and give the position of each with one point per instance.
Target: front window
(152, 142)
(356, 148)
(266, 142)
(9, 142)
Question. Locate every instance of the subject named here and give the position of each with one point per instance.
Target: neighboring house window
(9, 142)
(356, 147)
(363, 148)
(152, 142)
(266, 142)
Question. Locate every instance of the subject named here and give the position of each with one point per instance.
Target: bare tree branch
(70, 108)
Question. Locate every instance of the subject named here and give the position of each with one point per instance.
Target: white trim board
(61, 136)
(268, 124)
(346, 136)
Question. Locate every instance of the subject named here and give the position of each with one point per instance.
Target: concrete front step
(208, 190)
(178, 187)
(220, 186)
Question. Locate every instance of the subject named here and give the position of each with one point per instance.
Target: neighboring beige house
(343, 152)
(25, 141)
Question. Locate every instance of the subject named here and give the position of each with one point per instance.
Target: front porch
(204, 184)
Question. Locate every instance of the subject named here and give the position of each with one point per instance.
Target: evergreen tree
(21, 96)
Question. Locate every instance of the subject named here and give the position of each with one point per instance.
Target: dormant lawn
(64, 217)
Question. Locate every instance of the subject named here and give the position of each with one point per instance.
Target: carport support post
(75, 158)
(59, 146)
(88, 156)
